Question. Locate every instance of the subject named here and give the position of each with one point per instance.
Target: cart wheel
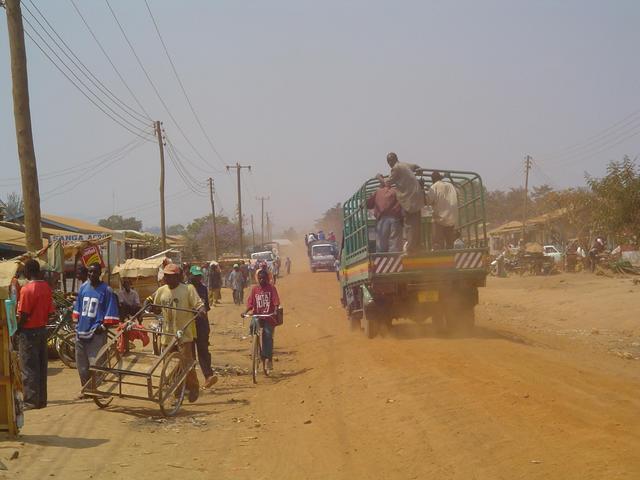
(66, 348)
(256, 354)
(103, 402)
(171, 393)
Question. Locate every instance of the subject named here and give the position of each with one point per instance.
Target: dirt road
(537, 393)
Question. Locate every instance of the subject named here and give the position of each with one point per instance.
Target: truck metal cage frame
(471, 215)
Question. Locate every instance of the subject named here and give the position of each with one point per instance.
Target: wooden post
(238, 168)
(24, 135)
(213, 213)
(163, 226)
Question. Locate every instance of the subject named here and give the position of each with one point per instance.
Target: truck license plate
(428, 296)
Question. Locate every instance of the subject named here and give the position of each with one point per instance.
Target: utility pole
(268, 228)
(527, 167)
(24, 134)
(163, 226)
(253, 233)
(215, 228)
(262, 199)
(238, 168)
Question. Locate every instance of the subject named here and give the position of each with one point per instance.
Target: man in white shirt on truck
(443, 198)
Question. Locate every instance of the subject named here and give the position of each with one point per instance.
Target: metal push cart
(161, 377)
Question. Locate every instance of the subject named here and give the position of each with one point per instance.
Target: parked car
(553, 252)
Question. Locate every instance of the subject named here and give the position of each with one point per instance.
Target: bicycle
(255, 330)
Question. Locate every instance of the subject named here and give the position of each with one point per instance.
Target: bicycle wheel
(256, 354)
(66, 348)
(171, 393)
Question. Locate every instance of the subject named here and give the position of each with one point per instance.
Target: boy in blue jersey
(96, 303)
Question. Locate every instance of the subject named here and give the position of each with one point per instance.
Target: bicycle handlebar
(259, 315)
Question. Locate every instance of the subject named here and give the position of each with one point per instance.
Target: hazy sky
(313, 94)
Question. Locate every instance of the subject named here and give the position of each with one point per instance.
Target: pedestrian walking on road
(34, 306)
(203, 330)
(236, 282)
(443, 198)
(287, 265)
(410, 195)
(95, 305)
(215, 284)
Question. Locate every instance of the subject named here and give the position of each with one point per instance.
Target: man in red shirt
(388, 213)
(263, 300)
(34, 307)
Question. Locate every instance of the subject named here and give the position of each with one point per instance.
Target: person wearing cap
(202, 328)
(236, 282)
(184, 296)
(410, 195)
(443, 199)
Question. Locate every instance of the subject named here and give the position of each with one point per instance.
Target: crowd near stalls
(79, 293)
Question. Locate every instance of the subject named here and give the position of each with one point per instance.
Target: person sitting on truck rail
(388, 213)
(443, 198)
(410, 196)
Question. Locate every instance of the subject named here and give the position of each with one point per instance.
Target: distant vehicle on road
(553, 252)
(322, 255)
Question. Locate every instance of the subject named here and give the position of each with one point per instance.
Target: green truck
(437, 284)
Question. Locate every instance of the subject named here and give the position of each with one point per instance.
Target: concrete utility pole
(163, 226)
(527, 167)
(24, 134)
(262, 199)
(268, 228)
(213, 213)
(238, 168)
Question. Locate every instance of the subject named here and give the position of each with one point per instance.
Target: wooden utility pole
(24, 134)
(253, 233)
(163, 226)
(527, 167)
(262, 199)
(238, 168)
(213, 213)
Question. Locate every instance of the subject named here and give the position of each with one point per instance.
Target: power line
(123, 122)
(80, 65)
(124, 82)
(68, 170)
(184, 91)
(153, 86)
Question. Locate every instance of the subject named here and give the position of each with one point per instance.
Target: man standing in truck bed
(388, 213)
(410, 196)
(443, 198)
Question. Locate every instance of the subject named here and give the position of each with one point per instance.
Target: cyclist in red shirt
(263, 300)
(34, 307)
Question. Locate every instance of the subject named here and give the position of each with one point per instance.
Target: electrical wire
(123, 122)
(108, 57)
(183, 168)
(184, 91)
(68, 170)
(89, 173)
(153, 86)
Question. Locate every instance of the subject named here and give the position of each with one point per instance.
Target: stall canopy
(136, 268)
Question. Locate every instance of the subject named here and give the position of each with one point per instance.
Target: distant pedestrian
(336, 267)
(215, 284)
(95, 305)
(34, 306)
(236, 282)
(203, 330)
(410, 195)
(287, 265)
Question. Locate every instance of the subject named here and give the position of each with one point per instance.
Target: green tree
(616, 207)
(331, 220)
(118, 222)
(176, 229)
(290, 234)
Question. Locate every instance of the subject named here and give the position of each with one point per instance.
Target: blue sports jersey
(93, 306)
